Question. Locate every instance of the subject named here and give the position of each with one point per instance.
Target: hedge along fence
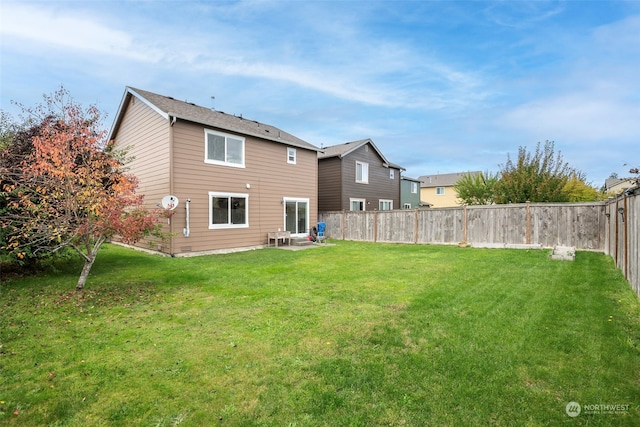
(611, 227)
(582, 225)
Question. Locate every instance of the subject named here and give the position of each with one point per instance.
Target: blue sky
(439, 86)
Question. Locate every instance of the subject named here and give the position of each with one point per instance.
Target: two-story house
(437, 190)
(235, 180)
(356, 176)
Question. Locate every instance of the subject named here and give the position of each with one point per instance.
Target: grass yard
(356, 334)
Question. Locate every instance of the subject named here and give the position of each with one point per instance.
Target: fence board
(623, 215)
(580, 225)
(396, 226)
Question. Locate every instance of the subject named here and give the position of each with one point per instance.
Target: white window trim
(440, 194)
(414, 188)
(392, 173)
(284, 212)
(225, 135)
(365, 168)
(381, 201)
(227, 226)
(407, 205)
(364, 203)
(291, 152)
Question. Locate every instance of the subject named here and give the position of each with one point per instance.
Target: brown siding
(150, 133)
(146, 133)
(329, 184)
(380, 186)
(267, 173)
(169, 159)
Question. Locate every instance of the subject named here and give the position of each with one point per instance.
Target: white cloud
(579, 117)
(45, 26)
(593, 97)
(345, 63)
(520, 14)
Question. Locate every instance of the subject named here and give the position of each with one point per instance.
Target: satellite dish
(170, 202)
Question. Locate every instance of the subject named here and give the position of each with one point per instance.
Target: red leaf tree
(69, 187)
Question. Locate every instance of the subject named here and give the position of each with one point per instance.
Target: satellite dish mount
(170, 202)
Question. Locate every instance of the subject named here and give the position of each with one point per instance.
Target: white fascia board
(130, 92)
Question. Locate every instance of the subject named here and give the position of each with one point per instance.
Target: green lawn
(354, 334)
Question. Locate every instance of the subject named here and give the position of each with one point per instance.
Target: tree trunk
(88, 263)
(89, 258)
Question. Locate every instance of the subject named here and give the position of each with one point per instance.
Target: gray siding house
(409, 193)
(357, 176)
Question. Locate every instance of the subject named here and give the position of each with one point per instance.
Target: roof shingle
(191, 112)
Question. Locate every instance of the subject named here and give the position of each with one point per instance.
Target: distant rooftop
(443, 180)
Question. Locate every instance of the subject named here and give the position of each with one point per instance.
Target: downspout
(186, 230)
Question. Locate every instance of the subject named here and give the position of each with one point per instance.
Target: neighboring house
(619, 185)
(409, 193)
(356, 176)
(236, 179)
(438, 191)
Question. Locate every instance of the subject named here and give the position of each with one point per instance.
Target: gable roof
(609, 183)
(443, 180)
(169, 108)
(342, 150)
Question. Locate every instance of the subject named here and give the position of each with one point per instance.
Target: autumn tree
(476, 189)
(540, 176)
(15, 147)
(578, 190)
(64, 186)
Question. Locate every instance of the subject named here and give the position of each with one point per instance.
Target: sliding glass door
(296, 216)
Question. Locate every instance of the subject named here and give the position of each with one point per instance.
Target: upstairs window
(362, 172)
(223, 149)
(414, 188)
(291, 156)
(392, 174)
(439, 191)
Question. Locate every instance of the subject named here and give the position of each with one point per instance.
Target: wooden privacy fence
(582, 225)
(596, 226)
(623, 235)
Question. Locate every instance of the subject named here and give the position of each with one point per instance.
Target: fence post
(464, 227)
(415, 226)
(528, 232)
(625, 232)
(344, 224)
(615, 213)
(375, 225)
